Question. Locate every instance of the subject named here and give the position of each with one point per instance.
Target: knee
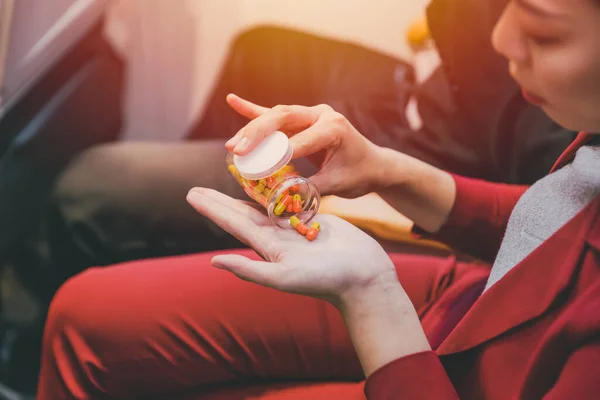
(70, 361)
(101, 180)
(72, 308)
(95, 171)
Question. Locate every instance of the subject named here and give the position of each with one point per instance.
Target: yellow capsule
(262, 182)
(267, 192)
(280, 208)
(232, 169)
(259, 188)
(261, 199)
(316, 225)
(294, 221)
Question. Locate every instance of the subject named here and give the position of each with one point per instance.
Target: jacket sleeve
(418, 376)
(479, 217)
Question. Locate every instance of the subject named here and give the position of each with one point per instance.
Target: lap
(289, 391)
(176, 323)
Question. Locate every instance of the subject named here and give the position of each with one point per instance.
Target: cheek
(570, 81)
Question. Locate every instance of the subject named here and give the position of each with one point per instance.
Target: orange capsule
(290, 208)
(295, 188)
(287, 199)
(297, 203)
(270, 182)
(312, 234)
(302, 229)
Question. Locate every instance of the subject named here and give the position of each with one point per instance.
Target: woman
(531, 330)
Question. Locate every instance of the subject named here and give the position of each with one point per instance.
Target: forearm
(421, 192)
(383, 325)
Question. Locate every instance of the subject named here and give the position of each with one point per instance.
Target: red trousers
(178, 328)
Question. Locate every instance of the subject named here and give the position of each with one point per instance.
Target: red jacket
(534, 334)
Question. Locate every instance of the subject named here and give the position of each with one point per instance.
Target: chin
(572, 122)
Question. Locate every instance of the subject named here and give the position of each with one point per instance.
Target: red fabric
(479, 216)
(177, 328)
(481, 210)
(568, 155)
(180, 329)
(534, 334)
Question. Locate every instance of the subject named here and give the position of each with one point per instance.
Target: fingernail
(241, 146)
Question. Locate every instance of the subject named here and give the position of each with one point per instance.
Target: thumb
(260, 272)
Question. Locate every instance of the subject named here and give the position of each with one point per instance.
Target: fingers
(243, 222)
(245, 108)
(289, 119)
(313, 140)
(244, 208)
(260, 272)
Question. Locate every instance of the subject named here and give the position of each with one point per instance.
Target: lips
(533, 98)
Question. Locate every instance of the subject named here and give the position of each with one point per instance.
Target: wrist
(382, 163)
(384, 291)
(383, 324)
(423, 193)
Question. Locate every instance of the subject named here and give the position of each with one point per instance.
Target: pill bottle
(269, 177)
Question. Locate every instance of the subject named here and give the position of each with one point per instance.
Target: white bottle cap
(272, 154)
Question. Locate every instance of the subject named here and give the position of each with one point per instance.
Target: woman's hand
(342, 260)
(350, 165)
(348, 162)
(343, 266)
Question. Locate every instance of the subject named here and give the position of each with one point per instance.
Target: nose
(507, 38)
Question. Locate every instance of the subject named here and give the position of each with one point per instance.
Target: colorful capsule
(295, 188)
(313, 231)
(302, 229)
(282, 205)
(259, 188)
(290, 208)
(281, 196)
(279, 209)
(297, 203)
(233, 171)
(287, 199)
(294, 221)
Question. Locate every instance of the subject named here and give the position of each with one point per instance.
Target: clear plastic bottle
(269, 177)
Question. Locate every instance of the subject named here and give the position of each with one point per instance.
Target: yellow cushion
(372, 213)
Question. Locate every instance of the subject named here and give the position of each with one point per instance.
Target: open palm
(341, 259)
